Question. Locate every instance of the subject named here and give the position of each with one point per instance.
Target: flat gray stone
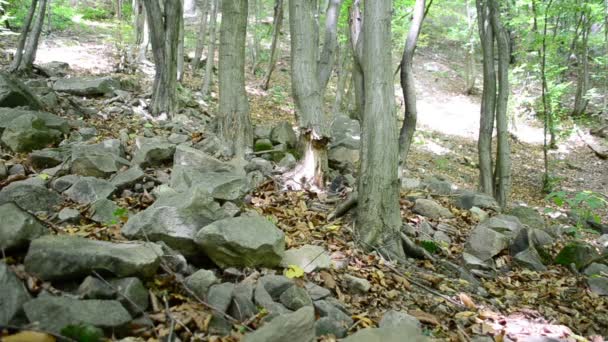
(221, 185)
(18, 227)
(89, 189)
(295, 298)
(86, 86)
(357, 285)
(153, 152)
(31, 197)
(13, 294)
(308, 257)
(127, 178)
(131, 292)
(431, 209)
(387, 334)
(294, 327)
(200, 282)
(13, 93)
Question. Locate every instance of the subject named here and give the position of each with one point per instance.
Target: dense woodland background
(273, 170)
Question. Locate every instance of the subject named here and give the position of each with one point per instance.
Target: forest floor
(517, 301)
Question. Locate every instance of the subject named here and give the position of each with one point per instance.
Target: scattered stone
(87, 132)
(597, 278)
(188, 157)
(231, 209)
(13, 294)
(222, 186)
(16, 169)
(86, 86)
(275, 285)
(220, 296)
(18, 227)
(287, 163)
(243, 241)
(69, 215)
(262, 145)
(131, 292)
(578, 253)
(293, 327)
(30, 196)
(345, 132)
(332, 319)
(242, 307)
(29, 131)
(283, 133)
(316, 292)
(438, 186)
(261, 132)
(530, 258)
(128, 178)
(295, 298)
(492, 236)
(262, 298)
(200, 281)
(65, 257)
(55, 69)
(13, 93)
(479, 214)
(308, 257)
(90, 189)
(152, 152)
(528, 216)
(63, 183)
(343, 158)
(394, 318)
(410, 184)
(442, 237)
(259, 164)
(104, 211)
(55, 313)
(176, 138)
(49, 157)
(176, 219)
(431, 209)
(357, 285)
(468, 200)
(387, 334)
(99, 160)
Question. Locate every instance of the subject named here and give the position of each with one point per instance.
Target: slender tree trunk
(343, 73)
(378, 217)
(408, 83)
(356, 40)
(142, 35)
(202, 36)
(580, 101)
(23, 37)
(326, 61)
(470, 53)
(234, 125)
(309, 173)
(180, 46)
(211, 49)
(255, 38)
(164, 32)
(276, 33)
(545, 95)
(31, 47)
(488, 100)
(502, 174)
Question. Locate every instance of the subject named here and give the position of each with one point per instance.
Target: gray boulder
(387, 334)
(243, 241)
(345, 132)
(98, 160)
(578, 253)
(394, 318)
(221, 186)
(18, 227)
(307, 257)
(356, 284)
(333, 320)
(220, 296)
(189, 157)
(127, 178)
(29, 132)
(131, 292)
(200, 282)
(275, 285)
(176, 219)
(13, 93)
(492, 236)
(51, 121)
(431, 209)
(153, 152)
(295, 298)
(86, 86)
(68, 215)
(343, 158)
(283, 133)
(49, 157)
(65, 257)
(468, 200)
(55, 313)
(13, 294)
(597, 278)
(293, 327)
(30, 196)
(242, 307)
(438, 186)
(528, 216)
(103, 211)
(262, 298)
(89, 189)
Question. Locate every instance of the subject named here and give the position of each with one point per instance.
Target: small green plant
(95, 13)
(83, 333)
(584, 205)
(120, 215)
(277, 94)
(442, 163)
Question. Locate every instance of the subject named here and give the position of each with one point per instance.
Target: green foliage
(95, 13)
(584, 204)
(83, 333)
(430, 246)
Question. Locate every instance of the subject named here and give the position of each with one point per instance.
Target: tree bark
(202, 36)
(180, 46)
(23, 37)
(276, 33)
(488, 100)
(408, 82)
(356, 39)
(580, 102)
(31, 47)
(164, 33)
(470, 53)
(502, 174)
(314, 135)
(142, 34)
(343, 73)
(330, 44)
(255, 39)
(234, 125)
(211, 49)
(378, 216)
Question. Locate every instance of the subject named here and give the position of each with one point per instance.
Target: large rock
(86, 86)
(55, 313)
(175, 219)
(200, 282)
(528, 216)
(242, 307)
(128, 178)
(51, 121)
(65, 257)
(333, 320)
(153, 151)
(394, 318)
(243, 241)
(294, 327)
(307, 257)
(30, 196)
(29, 132)
(283, 133)
(131, 292)
(469, 199)
(492, 236)
(387, 334)
(345, 132)
(597, 278)
(189, 157)
(222, 186)
(98, 160)
(49, 157)
(578, 253)
(89, 189)
(431, 209)
(13, 93)
(12, 294)
(17, 227)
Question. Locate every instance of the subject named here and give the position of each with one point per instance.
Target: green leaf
(430, 245)
(44, 176)
(83, 333)
(148, 125)
(293, 271)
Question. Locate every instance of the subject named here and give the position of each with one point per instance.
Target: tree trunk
(202, 36)
(488, 100)
(309, 173)
(255, 38)
(470, 53)
(23, 37)
(211, 49)
(142, 34)
(164, 33)
(330, 44)
(276, 33)
(180, 46)
(31, 47)
(234, 125)
(356, 39)
(378, 216)
(580, 101)
(502, 174)
(408, 83)
(343, 73)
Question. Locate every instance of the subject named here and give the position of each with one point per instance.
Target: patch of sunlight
(80, 20)
(435, 148)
